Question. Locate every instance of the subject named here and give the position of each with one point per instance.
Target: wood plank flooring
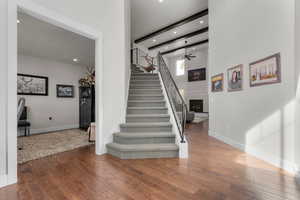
(213, 171)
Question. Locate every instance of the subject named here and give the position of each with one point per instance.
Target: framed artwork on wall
(266, 71)
(217, 83)
(197, 75)
(65, 91)
(235, 78)
(32, 85)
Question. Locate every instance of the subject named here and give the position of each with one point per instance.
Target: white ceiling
(182, 52)
(38, 38)
(150, 15)
(145, 21)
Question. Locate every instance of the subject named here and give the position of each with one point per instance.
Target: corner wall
(3, 90)
(297, 88)
(259, 120)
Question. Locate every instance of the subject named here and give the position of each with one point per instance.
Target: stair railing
(138, 58)
(176, 100)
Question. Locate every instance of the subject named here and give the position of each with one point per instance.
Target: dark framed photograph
(32, 85)
(217, 83)
(197, 75)
(266, 71)
(235, 78)
(65, 91)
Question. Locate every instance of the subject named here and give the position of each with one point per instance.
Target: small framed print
(266, 71)
(65, 91)
(217, 83)
(235, 78)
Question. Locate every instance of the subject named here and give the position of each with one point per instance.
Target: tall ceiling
(150, 15)
(40, 39)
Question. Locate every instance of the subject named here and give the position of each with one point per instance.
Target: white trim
(52, 129)
(276, 161)
(183, 147)
(3, 180)
(49, 16)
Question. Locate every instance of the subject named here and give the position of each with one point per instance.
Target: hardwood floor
(213, 171)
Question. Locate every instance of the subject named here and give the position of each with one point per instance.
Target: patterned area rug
(39, 146)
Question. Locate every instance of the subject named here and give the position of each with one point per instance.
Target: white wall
(259, 120)
(64, 111)
(127, 19)
(297, 66)
(3, 90)
(192, 90)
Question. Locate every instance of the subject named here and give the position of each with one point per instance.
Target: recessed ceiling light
(201, 22)
(18, 21)
(154, 40)
(175, 32)
(160, 1)
(75, 60)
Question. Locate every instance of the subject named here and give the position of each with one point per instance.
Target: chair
(23, 123)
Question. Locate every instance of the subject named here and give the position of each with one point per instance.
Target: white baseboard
(276, 161)
(3, 180)
(52, 129)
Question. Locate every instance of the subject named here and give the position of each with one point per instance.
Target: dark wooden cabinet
(86, 106)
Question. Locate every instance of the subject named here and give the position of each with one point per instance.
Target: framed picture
(217, 83)
(235, 78)
(197, 75)
(266, 71)
(32, 85)
(65, 91)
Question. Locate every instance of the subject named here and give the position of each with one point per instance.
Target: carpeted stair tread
(145, 134)
(147, 108)
(148, 115)
(160, 124)
(143, 147)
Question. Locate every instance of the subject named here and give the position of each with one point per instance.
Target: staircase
(147, 132)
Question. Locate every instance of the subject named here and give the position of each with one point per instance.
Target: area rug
(42, 145)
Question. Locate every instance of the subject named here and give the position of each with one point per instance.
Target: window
(180, 68)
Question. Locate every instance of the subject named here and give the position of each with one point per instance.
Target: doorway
(63, 22)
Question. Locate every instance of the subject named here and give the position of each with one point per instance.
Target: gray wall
(64, 111)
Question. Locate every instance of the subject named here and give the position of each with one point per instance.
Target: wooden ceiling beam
(187, 36)
(173, 26)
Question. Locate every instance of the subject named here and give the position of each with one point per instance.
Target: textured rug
(39, 146)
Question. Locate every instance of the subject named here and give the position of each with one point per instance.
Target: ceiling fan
(188, 56)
